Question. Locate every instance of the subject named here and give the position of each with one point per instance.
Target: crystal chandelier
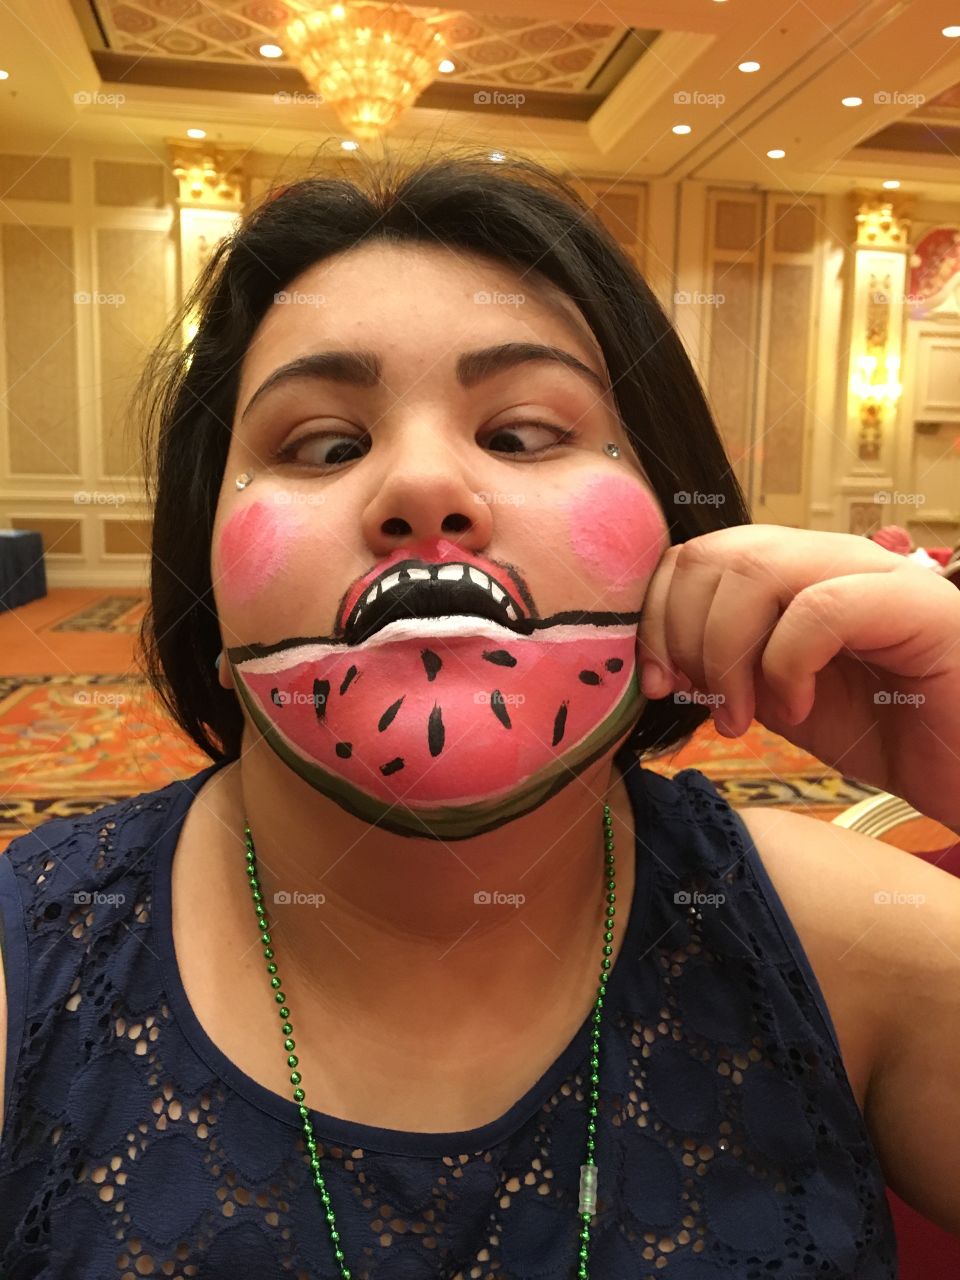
(369, 62)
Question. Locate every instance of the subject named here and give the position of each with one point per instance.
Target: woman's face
(428, 592)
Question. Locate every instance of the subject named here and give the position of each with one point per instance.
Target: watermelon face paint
(450, 723)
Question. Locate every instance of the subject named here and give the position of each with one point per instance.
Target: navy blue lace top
(729, 1142)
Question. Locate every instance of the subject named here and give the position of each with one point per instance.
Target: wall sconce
(877, 398)
(880, 261)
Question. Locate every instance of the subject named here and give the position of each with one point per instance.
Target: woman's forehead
(407, 298)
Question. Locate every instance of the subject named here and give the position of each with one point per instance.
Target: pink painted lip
(429, 551)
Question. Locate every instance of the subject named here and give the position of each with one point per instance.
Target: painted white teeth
(446, 573)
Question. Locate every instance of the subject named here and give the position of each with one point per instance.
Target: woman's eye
(330, 448)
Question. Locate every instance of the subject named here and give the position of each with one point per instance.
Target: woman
(425, 975)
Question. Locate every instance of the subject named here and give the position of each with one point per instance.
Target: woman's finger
(742, 616)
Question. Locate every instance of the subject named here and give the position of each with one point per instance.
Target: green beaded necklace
(588, 1171)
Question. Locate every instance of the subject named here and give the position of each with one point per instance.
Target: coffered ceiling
(595, 86)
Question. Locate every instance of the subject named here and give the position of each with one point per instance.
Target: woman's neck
(387, 934)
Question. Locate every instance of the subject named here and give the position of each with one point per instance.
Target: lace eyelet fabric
(730, 1144)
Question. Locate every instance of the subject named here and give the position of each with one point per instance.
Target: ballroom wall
(94, 257)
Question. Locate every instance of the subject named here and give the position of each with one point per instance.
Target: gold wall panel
(794, 229)
(786, 378)
(141, 186)
(35, 177)
(126, 537)
(732, 354)
(60, 536)
(736, 224)
(40, 347)
(131, 271)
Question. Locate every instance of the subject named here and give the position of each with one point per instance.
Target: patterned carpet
(111, 613)
(71, 743)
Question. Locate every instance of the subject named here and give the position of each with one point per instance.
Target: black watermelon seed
(275, 698)
(391, 766)
(388, 715)
(589, 677)
(321, 691)
(431, 662)
(346, 680)
(500, 708)
(613, 664)
(559, 723)
(435, 731)
(344, 750)
(501, 657)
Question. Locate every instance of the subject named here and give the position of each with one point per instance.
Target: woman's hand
(848, 650)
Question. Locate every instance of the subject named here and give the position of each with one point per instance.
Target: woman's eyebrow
(365, 368)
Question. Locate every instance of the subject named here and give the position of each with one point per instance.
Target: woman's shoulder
(841, 891)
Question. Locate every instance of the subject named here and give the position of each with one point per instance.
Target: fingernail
(653, 680)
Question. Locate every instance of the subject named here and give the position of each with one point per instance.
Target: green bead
(611, 897)
(292, 1061)
(268, 953)
(275, 983)
(257, 895)
(605, 964)
(271, 967)
(592, 1110)
(279, 997)
(608, 950)
(284, 1011)
(287, 1029)
(289, 1045)
(295, 1077)
(611, 884)
(298, 1095)
(608, 936)
(265, 939)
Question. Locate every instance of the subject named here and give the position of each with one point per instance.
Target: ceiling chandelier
(369, 62)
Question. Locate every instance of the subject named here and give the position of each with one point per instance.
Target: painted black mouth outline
(425, 590)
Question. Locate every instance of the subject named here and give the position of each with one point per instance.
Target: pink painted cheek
(616, 529)
(254, 547)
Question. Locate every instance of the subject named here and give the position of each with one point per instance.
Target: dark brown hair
(517, 212)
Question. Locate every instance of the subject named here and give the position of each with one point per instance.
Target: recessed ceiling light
(447, 65)
(852, 102)
(348, 144)
(951, 32)
(891, 184)
(4, 75)
(681, 128)
(777, 153)
(748, 66)
(271, 51)
(196, 133)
